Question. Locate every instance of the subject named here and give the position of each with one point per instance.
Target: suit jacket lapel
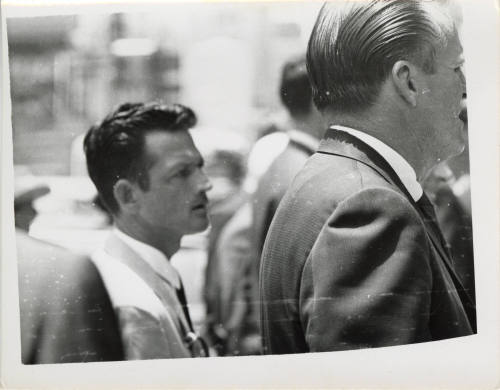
(126, 255)
(341, 143)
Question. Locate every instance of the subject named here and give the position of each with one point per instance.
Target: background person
(238, 249)
(228, 287)
(27, 189)
(65, 311)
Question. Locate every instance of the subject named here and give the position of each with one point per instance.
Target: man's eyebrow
(187, 161)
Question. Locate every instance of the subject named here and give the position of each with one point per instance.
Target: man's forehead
(452, 52)
(186, 155)
(169, 140)
(172, 145)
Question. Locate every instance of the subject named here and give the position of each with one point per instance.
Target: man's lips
(201, 205)
(463, 110)
(463, 115)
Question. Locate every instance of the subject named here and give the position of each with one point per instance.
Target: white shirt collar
(305, 139)
(402, 168)
(156, 259)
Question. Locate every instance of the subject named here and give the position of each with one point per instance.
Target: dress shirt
(156, 259)
(305, 139)
(402, 168)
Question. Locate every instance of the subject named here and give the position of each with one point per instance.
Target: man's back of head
(355, 44)
(295, 88)
(296, 96)
(392, 69)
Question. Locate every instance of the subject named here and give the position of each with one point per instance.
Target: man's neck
(310, 123)
(164, 241)
(392, 131)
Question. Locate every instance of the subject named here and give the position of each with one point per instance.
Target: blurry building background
(222, 59)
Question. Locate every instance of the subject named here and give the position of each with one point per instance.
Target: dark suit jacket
(66, 314)
(351, 262)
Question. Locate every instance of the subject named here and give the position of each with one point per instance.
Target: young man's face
(176, 200)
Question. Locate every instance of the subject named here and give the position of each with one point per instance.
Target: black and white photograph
(260, 194)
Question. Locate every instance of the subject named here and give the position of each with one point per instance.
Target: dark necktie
(182, 299)
(196, 343)
(429, 214)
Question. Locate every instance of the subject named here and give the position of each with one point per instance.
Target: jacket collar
(126, 246)
(397, 162)
(303, 141)
(341, 143)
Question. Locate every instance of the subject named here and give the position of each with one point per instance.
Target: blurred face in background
(226, 171)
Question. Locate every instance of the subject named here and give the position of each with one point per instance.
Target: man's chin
(199, 226)
(454, 150)
(462, 138)
(457, 144)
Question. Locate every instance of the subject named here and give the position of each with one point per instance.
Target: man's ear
(125, 193)
(405, 81)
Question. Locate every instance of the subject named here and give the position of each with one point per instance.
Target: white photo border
(471, 361)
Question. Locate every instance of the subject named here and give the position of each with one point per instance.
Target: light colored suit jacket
(152, 321)
(351, 262)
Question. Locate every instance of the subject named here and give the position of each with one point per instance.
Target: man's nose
(204, 182)
(463, 80)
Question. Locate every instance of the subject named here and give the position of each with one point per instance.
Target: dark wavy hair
(115, 147)
(295, 88)
(354, 45)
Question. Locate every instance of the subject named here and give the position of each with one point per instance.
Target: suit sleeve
(66, 313)
(367, 281)
(144, 337)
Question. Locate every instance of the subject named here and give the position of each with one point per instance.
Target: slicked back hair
(295, 89)
(114, 148)
(354, 45)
